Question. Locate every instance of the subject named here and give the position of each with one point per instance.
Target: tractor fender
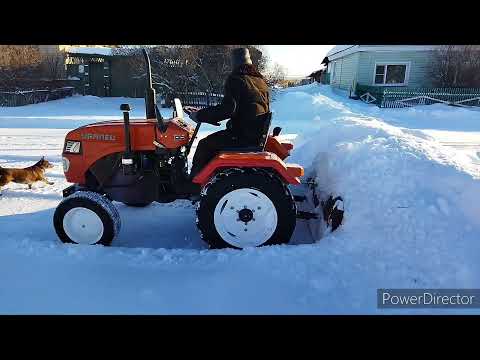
(289, 173)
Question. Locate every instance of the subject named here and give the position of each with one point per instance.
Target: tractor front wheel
(87, 218)
(243, 208)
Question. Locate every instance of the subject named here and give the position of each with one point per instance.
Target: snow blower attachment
(242, 196)
(333, 211)
(315, 206)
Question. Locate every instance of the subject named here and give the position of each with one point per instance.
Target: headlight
(66, 164)
(72, 147)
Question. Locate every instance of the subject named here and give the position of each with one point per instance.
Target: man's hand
(213, 123)
(190, 109)
(193, 114)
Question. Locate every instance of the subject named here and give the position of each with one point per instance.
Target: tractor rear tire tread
(281, 196)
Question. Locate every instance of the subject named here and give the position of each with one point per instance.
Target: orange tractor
(242, 196)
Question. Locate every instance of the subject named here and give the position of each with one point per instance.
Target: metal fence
(396, 97)
(20, 98)
(196, 98)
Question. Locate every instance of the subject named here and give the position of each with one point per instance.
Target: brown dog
(27, 176)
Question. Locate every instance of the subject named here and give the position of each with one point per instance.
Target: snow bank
(412, 209)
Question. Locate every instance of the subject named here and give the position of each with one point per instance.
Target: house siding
(419, 65)
(346, 71)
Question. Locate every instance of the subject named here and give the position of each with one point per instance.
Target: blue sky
(299, 60)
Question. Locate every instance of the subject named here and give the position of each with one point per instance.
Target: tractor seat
(262, 121)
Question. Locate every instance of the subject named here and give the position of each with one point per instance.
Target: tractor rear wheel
(87, 218)
(242, 208)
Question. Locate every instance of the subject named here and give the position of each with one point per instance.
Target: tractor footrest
(305, 215)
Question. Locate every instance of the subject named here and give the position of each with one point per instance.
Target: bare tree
(206, 67)
(171, 65)
(17, 63)
(178, 68)
(276, 76)
(456, 66)
(259, 59)
(52, 66)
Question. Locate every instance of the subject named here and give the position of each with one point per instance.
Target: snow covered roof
(338, 48)
(104, 51)
(343, 50)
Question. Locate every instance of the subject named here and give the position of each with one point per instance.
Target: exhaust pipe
(127, 159)
(151, 109)
(150, 96)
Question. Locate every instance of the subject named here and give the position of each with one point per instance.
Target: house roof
(338, 48)
(315, 73)
(104, 51)
(340, 51)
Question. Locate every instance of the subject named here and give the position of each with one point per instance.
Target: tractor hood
(89, 143)
(143, 131)
(119, 123)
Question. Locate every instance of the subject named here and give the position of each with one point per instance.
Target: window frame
(386, 64)
(332, 71)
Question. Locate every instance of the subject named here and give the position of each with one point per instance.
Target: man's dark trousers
(211, 145)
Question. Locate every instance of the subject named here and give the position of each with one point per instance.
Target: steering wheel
(191, 109)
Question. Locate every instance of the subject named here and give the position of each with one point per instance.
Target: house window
(391, 74)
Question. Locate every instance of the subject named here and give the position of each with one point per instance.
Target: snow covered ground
(410, 179)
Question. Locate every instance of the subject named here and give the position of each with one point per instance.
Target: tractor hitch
(306, 215)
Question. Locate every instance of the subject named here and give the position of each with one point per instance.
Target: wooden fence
(20, 98)
(396, 97)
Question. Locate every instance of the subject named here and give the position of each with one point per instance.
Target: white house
(379, 65)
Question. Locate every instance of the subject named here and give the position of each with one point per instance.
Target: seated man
(246, 95)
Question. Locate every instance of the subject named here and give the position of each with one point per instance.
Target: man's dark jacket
(246, 95)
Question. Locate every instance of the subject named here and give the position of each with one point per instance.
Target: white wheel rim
(83, 226)
(248, 233)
